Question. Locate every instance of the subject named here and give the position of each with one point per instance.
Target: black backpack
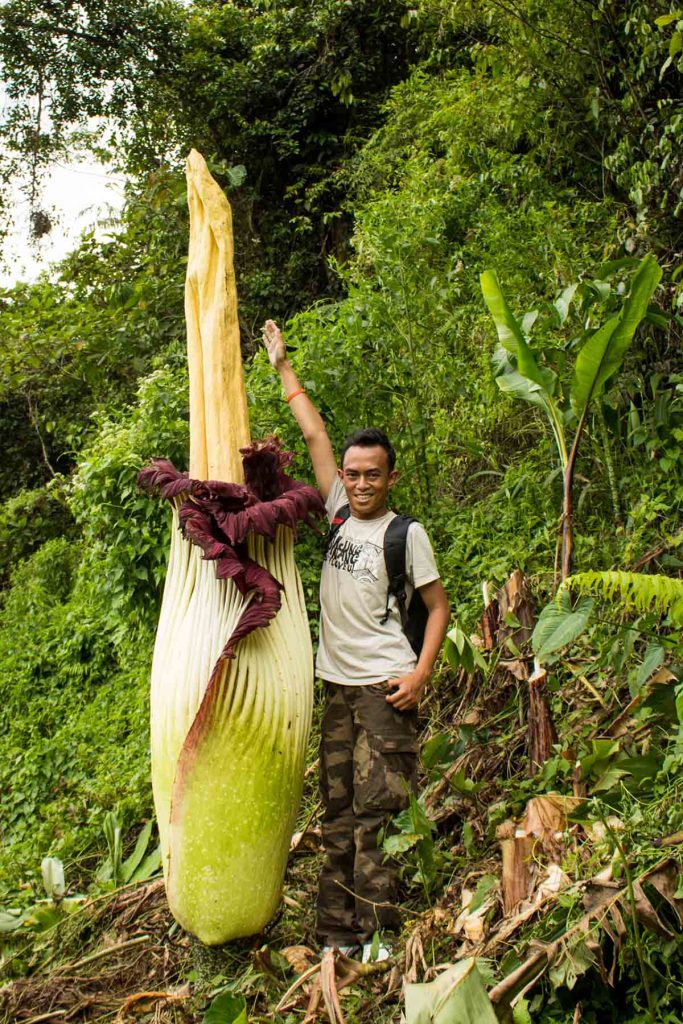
(413, 616)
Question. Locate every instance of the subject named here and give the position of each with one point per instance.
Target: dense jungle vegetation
(379, 156)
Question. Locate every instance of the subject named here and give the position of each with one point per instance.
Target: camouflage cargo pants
(368, 766)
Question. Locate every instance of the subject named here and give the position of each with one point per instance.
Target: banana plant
(601, 352)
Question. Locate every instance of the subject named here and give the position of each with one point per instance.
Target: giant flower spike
(232, 674)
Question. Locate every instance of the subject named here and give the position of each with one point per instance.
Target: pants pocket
(387, 773)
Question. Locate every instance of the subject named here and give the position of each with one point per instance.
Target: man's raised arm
(305, 413)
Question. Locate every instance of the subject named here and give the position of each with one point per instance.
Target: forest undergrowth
(115, 953)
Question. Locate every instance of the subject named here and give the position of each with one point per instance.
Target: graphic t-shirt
(356, 647)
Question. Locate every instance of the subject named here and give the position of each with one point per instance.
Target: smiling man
(373, 678)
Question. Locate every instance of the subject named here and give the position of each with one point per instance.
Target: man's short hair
(370, 437)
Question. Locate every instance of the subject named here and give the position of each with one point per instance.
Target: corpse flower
(232, 674)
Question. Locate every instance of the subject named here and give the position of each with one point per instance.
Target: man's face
(367, 479)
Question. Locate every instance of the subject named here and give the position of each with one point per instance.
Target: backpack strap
(338, 520)
(395, 540)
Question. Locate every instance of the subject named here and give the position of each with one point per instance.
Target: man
(373, 679)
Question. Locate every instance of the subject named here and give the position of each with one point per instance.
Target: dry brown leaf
(517, 667)
(647, 914)
(545, 819)
(299, 957)
(664, 878)
(144, 1002)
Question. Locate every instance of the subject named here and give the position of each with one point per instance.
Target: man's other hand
(407, 691)
(275, 344)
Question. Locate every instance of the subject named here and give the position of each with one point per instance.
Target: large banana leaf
(603, 353)
(511, 382)
(511, 336)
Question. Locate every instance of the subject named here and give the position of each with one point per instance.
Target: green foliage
(286, 93)
(126, 534)
(137, 867)
(600, 349)
(76, 636)
(636, 593)
(83, 339)
(560, 624)
(592, 90)
(28, 519)
(82, 60)
(461, 652)
(226, 1008)
(412, 841)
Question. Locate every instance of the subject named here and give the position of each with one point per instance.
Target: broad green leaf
(654, 656)
(574, 960)
(608, 779)
(563, 302)
(52, 871)
(402, 842)
(418, 817)
(644, 767)
(520, 1013)
(461, 784)
(484, 886)
(226, 1008)
(510, 333)
(461, 653)
(588, 364)
(602, 751)
(237, 175)
(458, 996)
(9, 922)
(130, 865)
(603, 353)
(560, 625)
(516, 386)
(42, 917)
(610, 267)
(512, 383)
(150, 866)
(435, 750)
(528, 321)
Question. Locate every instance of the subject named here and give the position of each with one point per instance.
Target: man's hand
(408, 690)
(275, 344)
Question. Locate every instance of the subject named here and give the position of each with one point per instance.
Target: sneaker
(345, 950)
(381, 952)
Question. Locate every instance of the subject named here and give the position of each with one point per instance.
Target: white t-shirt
(356, 647)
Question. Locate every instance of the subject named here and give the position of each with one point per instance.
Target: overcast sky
(75, 195)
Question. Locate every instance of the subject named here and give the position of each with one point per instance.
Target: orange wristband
(299, 391)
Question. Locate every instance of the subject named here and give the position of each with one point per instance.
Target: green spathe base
(229, 840)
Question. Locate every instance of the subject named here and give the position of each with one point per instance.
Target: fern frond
(635, 591)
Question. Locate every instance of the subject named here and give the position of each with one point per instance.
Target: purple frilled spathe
(219, 517)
